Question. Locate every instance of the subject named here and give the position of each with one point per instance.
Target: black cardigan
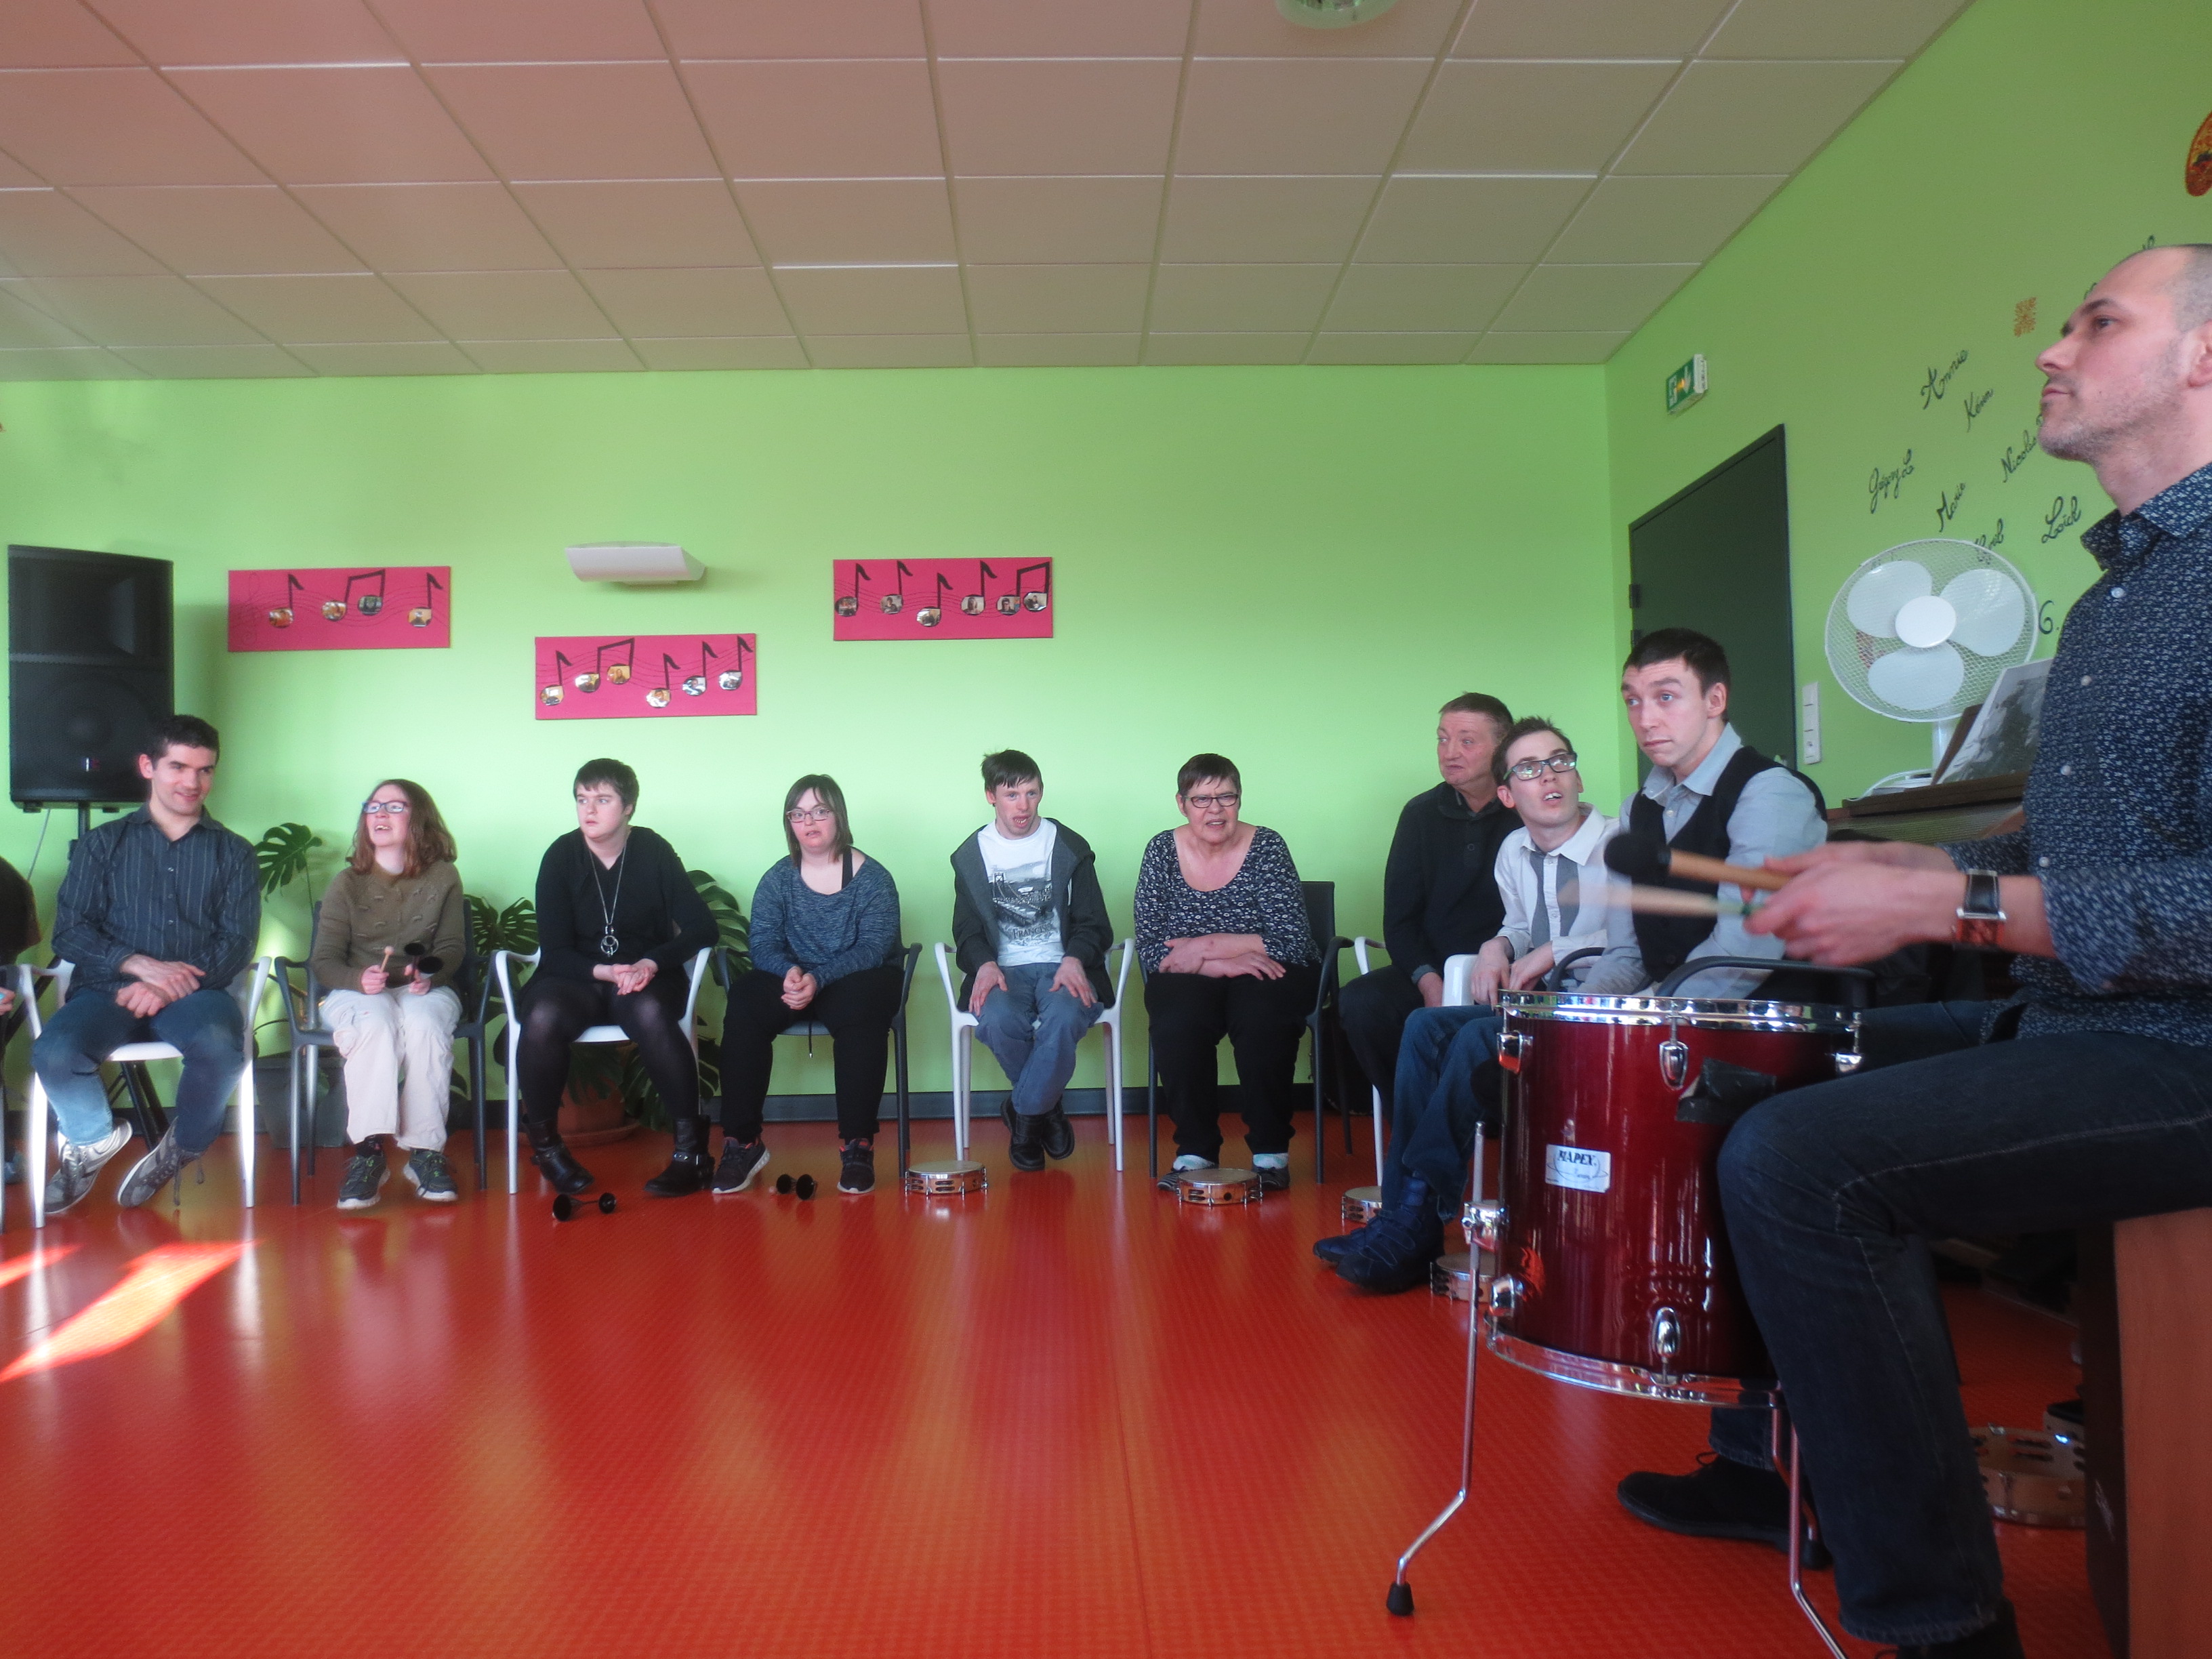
(1440, 886)
(659, 914)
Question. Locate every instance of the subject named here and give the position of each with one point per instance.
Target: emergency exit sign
(1687, 384)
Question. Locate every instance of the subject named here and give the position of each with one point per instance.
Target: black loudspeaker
(89, 671)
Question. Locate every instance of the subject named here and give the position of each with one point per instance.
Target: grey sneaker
(78, 1167)
(432, 1176)
(741, 1161)
(366, 1172)
(151, 1173)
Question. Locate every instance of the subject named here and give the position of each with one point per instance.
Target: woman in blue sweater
(824, 938)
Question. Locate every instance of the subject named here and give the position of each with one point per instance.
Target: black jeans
(554, 1014)
(858, 1009)
(1830, 1192)
(1263, 1020)
(1373, 1010)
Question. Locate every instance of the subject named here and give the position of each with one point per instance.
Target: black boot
(561, 1171)
(1024, 1147)
(688, 1166)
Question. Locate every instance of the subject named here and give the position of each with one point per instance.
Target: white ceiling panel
(763, 351)
(1420, 299)
(1586, 346)
(1590, 28)
(913, 299)
(1240, 298)
(239, 362)
(1752, 118)
(1429, 217)
(1600, 297)
(716, 303)
(22, 324)
(1237, 221)
(1024, 28)
(551, 357)
(1389, 348)
(1205, 348)
(1059, 351)
(201, 230)
(1058, 299)
(776, 28)
(667, 221)
(505, 304)
(44, 233)
(112, 127)
(831, 221)
(1834, 28)
(431, 227)
(819, 121)
(1253, 28)
(1057, 221)
(325, 309)
(79, 363)
(579, 120)
(1531, 118)
(420, 357)
(522, 31)
(1667, 218)
(1098, 116)
(57, 34)
(1311, 116)
(137, 311)
(251, 31)
(335, 126)
(889, 351)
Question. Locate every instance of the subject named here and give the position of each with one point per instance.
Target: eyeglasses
(1207, 803)
(371, 808)
(810, 815)
(1530, 770)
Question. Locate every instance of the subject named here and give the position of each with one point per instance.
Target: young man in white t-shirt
(1030, 928)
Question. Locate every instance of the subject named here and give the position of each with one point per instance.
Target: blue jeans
(1830, 1192)
(1447, 1077)
(1032, 1030)
(206, 1028)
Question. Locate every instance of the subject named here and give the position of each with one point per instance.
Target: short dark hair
(827, 792)
(1527, 724)
(1200, 768)
(1007, 767)
(611, 772)
(1479, 702)
(182, 732)
(1700, 653)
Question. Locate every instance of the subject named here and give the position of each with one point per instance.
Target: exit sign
(1687, 384)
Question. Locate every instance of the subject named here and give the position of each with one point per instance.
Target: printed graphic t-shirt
(1020, 874)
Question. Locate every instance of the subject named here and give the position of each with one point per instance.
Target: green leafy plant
(281, 852)
(729, 918)
(514, 928)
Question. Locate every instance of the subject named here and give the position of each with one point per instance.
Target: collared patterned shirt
(2120, 804)
(132, 891)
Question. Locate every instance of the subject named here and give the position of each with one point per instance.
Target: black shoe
(856, 1168)
(741, 1161)
(1399, 1246)
(1334, 1248)
(366, 1172)
(1273, 1177)
(1023, 1146)
(1722, 1499)
(1997, 1641)
(151, 1173)
(689, 1166)
(561, 1171)
(1057, 1133)
(1172, 1179)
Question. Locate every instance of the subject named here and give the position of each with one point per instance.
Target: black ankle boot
(688, 1166)
(561, 1171)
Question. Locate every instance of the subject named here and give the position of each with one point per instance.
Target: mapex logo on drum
(1579, 1168)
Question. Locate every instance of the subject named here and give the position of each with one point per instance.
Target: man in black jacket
(1439, 889)
(1030, 928)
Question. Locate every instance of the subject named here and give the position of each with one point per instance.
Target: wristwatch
(1982, 917)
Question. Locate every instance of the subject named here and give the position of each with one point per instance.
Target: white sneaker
(79, 1167)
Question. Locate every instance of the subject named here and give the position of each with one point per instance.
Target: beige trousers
(398, 1049)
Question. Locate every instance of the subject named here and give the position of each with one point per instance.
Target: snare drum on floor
(1216, 1186)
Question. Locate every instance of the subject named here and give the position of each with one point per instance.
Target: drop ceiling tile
(1058, 351)
(1566, 347)
(336, 126)
(1530, 117)
(706, 303)
(1242, 28)
(112, 126)
(1339, 115)
(1390, 348)
(1057, 298)
(665, 222)
(424, 357)
(1240, 298)
(1420, 299)
(1588, 29)
(829, 221)
(1488, 220)
(1586, 298)
(252, 32)
(67, 363)
(577, 120)
(328, 310)
(1834, 28)
(1072, 116)
(889, 351)
(1057, 221)
(57, 34)
(205, 230)
(137, 311)
(1237, 221)
(237, 362)
(505, 304)
(835, 300)
(430, 227)
(1752, 118)
(819, 121)
(764, 351)
(1633, 220)
(522, 31)
(775, 29)
(1022, 28)
(551, 357)
(22, 324)
(44, 233)
(1189, 348)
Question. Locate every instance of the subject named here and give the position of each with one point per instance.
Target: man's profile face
(1553, 799)
(1465, 743)
(1673, 716)
(180, 778)
(2115, 371)
(1014, 807)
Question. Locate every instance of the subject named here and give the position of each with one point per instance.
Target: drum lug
(1484, 1223)
(1675, 1062)
(1504, 1296)
(1666, 1336)
(1848, 1060)
(1511, 1047)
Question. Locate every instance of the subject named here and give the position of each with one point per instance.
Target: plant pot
(593, 1117)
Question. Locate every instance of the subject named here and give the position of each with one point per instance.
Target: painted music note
(281, 616)
(420, 615)
(933, 613)
(971, 605)
(604, 670)
(551, 692)
(266, 607)
(1036, 598)
(892, 604)
(661, 696)
(733, 678)
(984, 602)
(849, 605)
(370, 603)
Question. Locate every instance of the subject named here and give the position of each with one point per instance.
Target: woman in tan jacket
(394, 1024)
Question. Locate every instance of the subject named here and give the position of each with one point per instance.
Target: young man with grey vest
(1030, 929)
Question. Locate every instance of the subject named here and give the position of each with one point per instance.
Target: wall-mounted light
(633, 562)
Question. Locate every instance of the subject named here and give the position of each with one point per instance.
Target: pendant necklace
(608, 943)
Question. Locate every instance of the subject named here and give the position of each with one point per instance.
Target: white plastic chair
(1459, 981)
(248, 989)
(1360, 947)
(590, 1034)
(964, 1047)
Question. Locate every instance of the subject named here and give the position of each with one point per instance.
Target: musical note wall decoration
(909, 600)
(601, 676)
(341, 610)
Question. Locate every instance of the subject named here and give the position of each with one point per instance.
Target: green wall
(1291, 566)
(2031, 145)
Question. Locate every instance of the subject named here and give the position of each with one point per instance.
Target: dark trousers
(1373, 1010)
(1830, 1192)
(1447, 1078)
(858, 1009)
(1263, 1020)
(556, 1012)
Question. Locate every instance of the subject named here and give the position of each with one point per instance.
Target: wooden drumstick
(1645, 858)
(1673, 902)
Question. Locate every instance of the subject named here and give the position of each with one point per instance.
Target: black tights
(554, 1014)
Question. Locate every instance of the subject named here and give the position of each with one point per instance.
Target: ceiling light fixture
(633, 562)
(1332, 14)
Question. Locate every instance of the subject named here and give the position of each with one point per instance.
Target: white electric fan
(1922, 631)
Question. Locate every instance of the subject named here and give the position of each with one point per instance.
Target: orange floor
(1066, 1416)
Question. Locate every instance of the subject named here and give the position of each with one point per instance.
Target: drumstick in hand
(1673, 902)
(1643, 857)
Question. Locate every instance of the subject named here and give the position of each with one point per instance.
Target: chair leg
(1321, 1120)
(1153, 1106)
(476, 1100)
(960, 1051)
(152, 1121)
(1113, 1092)
(292, 1118)
(248, 1124)
(1378, 1134)
(35, 1131)
(905, 1133)
(315, 1065)
(513, 1116)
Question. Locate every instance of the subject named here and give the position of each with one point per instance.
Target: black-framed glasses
(1207, 803)
(810, 815)
(371, 808)
(1530, 770)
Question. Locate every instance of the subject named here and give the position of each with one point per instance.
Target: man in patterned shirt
(2087, 1098)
